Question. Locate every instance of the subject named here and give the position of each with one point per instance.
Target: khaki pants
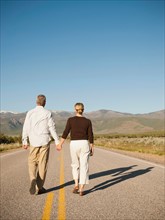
(38, 163)
(79, 150)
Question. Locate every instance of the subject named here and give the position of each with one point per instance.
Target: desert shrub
(138, 135)
(4, 139)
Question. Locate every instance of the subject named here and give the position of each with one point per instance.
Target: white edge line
(133, 158)
(2, 155)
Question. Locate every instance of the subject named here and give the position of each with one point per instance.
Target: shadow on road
(120, 172)
(123, 177)
(113, 172)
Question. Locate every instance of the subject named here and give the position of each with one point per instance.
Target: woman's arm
(64, 135)
(91, 138)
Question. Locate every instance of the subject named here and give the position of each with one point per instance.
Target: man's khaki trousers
(38, 163)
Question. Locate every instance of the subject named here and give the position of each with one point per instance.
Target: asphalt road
(120, 187)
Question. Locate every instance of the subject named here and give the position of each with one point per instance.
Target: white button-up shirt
(39, 127)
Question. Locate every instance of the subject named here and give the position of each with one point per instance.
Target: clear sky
(106, 54)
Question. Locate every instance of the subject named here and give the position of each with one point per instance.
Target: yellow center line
(48, 206)
(61, 202)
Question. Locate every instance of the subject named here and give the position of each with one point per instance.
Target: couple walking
(38, 128)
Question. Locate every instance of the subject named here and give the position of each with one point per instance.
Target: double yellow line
(61, 202)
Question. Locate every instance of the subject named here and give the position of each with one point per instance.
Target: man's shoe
(32, 189)
(75, 190)
(41, 191)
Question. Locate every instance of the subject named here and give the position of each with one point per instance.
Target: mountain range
(104, 121)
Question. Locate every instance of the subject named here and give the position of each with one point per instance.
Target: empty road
(121, 187)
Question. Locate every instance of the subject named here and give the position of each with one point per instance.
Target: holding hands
(59, 146)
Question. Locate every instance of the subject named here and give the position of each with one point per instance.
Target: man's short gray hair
(41, 100)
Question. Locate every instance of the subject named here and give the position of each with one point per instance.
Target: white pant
(79, 150)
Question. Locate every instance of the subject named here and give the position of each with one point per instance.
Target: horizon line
(16, 112)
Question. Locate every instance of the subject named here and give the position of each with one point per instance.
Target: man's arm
(25, 133)
(52, 129)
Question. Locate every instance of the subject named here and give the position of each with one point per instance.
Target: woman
(80, 129)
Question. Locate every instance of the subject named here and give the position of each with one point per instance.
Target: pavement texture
(120, 188)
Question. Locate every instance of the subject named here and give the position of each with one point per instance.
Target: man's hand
(25, 147)
(58, 147)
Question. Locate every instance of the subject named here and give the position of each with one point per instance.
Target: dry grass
(150, 145)
(5, 147)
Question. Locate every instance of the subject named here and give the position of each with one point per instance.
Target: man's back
(38, 120)
(38, 126)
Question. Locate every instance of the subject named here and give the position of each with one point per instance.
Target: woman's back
(80, 128)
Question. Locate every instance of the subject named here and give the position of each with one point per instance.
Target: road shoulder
(147, 157)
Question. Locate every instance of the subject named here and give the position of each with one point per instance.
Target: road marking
(132, 158)
(50, 196)
(61, 202)
(48, 206)
(9, 153)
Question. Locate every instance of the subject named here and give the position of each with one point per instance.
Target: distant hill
(104, 121)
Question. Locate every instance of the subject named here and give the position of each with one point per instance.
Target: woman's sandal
(81, 193)
(75, 190)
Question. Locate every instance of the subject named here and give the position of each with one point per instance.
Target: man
(38, 129)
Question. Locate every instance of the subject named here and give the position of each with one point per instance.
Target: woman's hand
(58, 147)
(91, 149)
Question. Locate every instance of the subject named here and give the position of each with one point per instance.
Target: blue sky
(106, 54)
